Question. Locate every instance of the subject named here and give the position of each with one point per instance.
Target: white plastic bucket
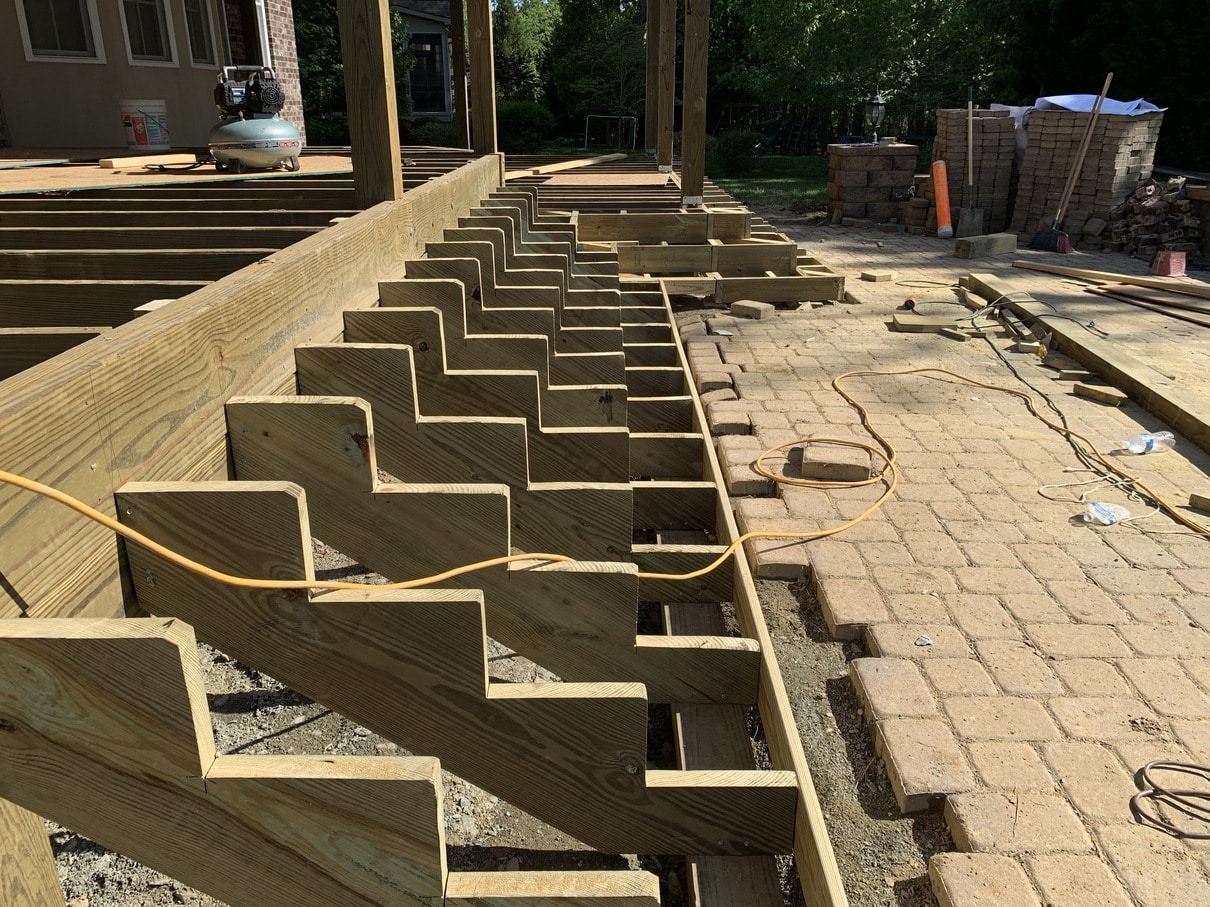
(146, 124)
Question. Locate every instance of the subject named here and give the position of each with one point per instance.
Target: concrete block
(877, 276)
(834, 462)
(984, 246)
(1200, 502)
(748, 308)
(1110, 396)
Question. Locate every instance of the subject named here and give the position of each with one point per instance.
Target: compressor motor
(252, 133)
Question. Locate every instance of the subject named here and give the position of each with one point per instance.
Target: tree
(598, 60)
(522, 34)
(321, 70)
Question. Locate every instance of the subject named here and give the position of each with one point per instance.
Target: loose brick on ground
(988, 880)
(1015, 822)
(924, 762)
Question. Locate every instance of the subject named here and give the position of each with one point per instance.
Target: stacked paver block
(868, 182)
(993, 140)
(1120, 156)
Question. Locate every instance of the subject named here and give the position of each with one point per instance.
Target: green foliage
(321, 72)
(433, 132)
(735, 152)
(799, 183)
(522, 31)
(523, 126)
(598, 59)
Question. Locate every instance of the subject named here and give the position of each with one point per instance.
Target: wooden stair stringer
(109, 734)
(573, 755)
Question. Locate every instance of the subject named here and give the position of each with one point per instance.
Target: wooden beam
(693, 102)
(365, 47)
(131, 238)
(586, 888)
(461, 118)
(66, 303)
(483, 76)
(664, 226)
(1188, 287)
(124, 264)
(666, 92)
(127, 758)
(28, 876)
(86, 423)
(70, 216)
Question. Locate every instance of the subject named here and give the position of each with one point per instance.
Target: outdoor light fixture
(875, 113)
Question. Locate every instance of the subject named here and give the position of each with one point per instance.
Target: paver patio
(1023, 664)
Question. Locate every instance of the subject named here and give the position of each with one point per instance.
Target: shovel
(970, 220)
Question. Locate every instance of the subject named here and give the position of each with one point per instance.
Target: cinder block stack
(1157, 216)
(868, 182)
(993, 140)
(1120, 157)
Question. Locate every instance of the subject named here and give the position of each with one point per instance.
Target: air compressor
(252, 134)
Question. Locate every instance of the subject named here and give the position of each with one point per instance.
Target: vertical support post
(462, 123)
(666, 102)
(693, 127)
(365, 47)
(483, 76)
(650, 117)
(28, 877)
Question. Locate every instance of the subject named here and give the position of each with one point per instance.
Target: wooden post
(693, 128)
(483, 76)
(462, 123)
(650, 118)
(365, 46)
(666, 101)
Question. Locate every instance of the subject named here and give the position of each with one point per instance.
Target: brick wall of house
(285, 58)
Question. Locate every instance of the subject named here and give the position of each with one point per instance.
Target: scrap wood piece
(1181, 314)
(1157, 297)
(1187, 287)
(572, 754)
(588, 888)
(563, 165)
(145, 160)
(1110, 396)
(126, 756)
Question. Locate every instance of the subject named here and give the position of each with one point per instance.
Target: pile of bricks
(993, 139)
(866, 183)
(1120, 156)
(1157, 216)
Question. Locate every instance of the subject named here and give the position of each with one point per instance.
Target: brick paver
(1019, 663)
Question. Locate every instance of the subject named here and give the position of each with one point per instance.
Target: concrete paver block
(1105, 718)
(1165, 687)
(1015, 822)
(891, 688)
(834, 462)
(1159, 870)
(983, 246)
(1005, 765)
(924, 762)
(1092, 778)
(958, 677)
(1090, 677)
(848, 605)
(713, 380)
(916, 641)
(1076, 880)
(999, 718)
(749, 308)
(1018, 668)
(962, 879)
(1076, 641)
(723, 395)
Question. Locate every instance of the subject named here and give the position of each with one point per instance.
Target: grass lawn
(790, 181)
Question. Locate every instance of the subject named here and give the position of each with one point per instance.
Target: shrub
(323, 130)
(522, 126)
(735, 150)
(433, 132)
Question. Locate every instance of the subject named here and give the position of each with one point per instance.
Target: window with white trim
(201, 36)
(147, 31)
(60, 30)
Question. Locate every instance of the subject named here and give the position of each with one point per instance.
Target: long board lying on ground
(156, 402)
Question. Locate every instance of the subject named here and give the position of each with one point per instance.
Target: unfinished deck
(476, 369)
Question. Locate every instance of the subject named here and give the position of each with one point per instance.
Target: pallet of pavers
(443, 381)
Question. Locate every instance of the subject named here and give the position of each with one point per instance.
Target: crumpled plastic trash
(1105, 514)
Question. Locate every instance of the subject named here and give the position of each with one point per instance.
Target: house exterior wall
(284, 50)
(423, 26)
(74, 104)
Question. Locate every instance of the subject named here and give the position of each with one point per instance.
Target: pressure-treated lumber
(651, 38)
(561, 166)
(693, 102)
(461, 118)
(552, 889)
(22, 348)
(132, 238)
(1187, 287)
(483, 76)
(126, 264)
(665, 226)
(1184, 412)
(66, 303)
(666, 92)
(28, 877)
(144, 160)
(151, 406)
(108, 719)
(365, 47)
(424, 654)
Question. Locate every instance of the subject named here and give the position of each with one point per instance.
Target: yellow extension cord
(889, 475)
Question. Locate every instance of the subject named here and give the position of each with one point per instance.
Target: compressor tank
(256, 142)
